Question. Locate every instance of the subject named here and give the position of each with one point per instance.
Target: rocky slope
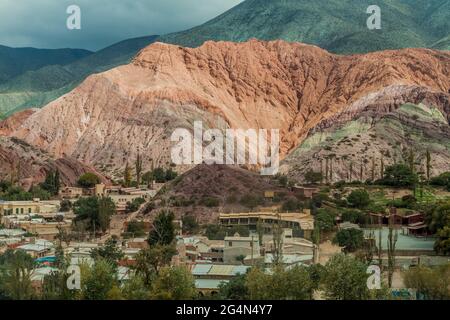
(357, 144)
(289, 86)
(29, 165)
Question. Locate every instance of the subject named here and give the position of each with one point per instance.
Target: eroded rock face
(8, 125)
(29, 166)
(288, 86)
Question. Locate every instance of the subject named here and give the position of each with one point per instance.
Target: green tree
(438, 216)
(52, 182)
(15, 275)
(345, 278)
(163, 229)
(399, 175)
(109, 252)
(442, 243)
(138, 167)
(174, 283)
(135, 288)
(150, 260)
(235, 289)
(88, 180)
(190, 224)
(351, 239)
(325, 219)
(359, 198)
(281, 284)
(433, 283)
(127, 176)
(95, 212)
(98, 280)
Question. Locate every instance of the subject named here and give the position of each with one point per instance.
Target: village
(285, 234)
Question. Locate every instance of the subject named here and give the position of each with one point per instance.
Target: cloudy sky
(42, 23)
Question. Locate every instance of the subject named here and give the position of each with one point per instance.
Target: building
(208, 277)
(37, 248)
(238, 249)
(70, 193)
(306, 192)
(36, 206)
(302, 223)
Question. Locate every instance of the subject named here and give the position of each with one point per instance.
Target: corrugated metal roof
(208, 283)
(240, 269)
(219, 270)
(201, 269)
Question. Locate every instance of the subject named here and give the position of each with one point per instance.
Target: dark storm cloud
(42, 23)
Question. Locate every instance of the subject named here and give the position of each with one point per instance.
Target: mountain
(358, 143)
(15, 61)
(288, 86)
(37, 87)
(338, 26)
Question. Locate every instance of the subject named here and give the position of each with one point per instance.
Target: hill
(15, 61)
(338, 26)
(288, 86)
(37, 87)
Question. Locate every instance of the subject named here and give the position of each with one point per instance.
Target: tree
(281, 284)
(163, 229)
(65, 206)
(235, 289)
(150, 260)
(442, 244)
(138, 168)
(251, 201)
(391, 244)
(88, 180)
(15, 275)
(313, 177)
(174, 283)
(127, 176)
(325, 219)
(52, 182)
(359, 198)
(345, 278)
(134, 205)
(399, 175)
(190, 224)
(98, 280)
(438, 216)
(443, 180)
(136, 228)
(96, 212)
(135, 288)
(429, 167)
(352, 239)
(109, 252)
(432, 283)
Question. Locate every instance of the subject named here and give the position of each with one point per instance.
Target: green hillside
(15, 61)
(336, 25)
(36, 88)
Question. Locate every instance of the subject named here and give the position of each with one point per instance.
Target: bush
(359, 198)
(351, 239)
(88, 180)
(251, 201)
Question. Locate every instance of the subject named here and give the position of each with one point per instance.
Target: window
(29, 210)
(230, 243)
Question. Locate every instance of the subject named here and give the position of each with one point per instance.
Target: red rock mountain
(255, 84)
